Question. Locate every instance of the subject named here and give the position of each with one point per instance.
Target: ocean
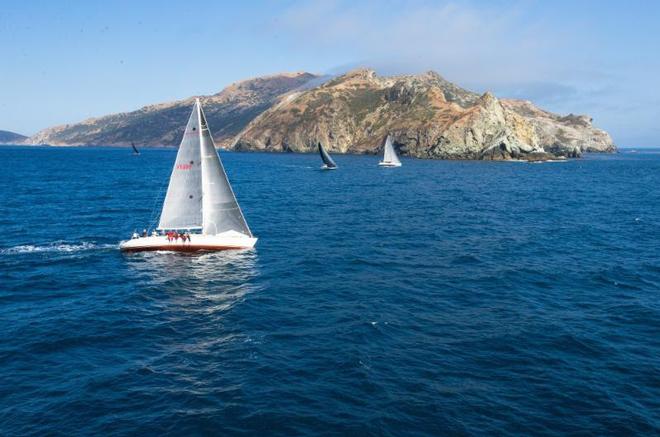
(442, 297)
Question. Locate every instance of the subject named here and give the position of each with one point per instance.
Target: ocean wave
(56, 246)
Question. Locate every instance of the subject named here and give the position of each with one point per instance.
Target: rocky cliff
(568, 135)
(163, 124)
(428, 117)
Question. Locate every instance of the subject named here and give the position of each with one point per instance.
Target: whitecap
(54, 247)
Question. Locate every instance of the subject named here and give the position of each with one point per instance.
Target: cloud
(465, 43)
(480, 47)
(518, 49)
(540, 92)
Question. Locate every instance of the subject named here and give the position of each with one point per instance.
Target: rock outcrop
(568, 135)
(427, 116)
(163, 124)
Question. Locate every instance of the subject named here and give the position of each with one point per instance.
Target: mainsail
(182, 208)
(135, 150)
(221, 212)
(327, 160)
(390, 154)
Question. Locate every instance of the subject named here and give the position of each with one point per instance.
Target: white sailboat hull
(389, 164)
(325, 167)
(198, 242)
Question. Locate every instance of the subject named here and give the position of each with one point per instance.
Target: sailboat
(135, 150)
(390, 159)
(199, 201)
(328, 163)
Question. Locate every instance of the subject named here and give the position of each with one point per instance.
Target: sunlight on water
(220, 279)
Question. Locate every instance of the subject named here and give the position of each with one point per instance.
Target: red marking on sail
(183, 166)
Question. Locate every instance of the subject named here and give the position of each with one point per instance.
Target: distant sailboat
(390, 159)
(135, 150)
(328, 163)
(199, 199)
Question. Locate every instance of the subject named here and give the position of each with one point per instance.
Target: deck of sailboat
(198, 242)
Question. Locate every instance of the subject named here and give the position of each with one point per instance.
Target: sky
(64, 61)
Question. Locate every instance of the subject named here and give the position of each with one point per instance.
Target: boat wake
(55, 247)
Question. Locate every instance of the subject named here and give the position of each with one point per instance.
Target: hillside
(162, 124)
(7, 137)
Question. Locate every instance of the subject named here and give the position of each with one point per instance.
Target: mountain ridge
(428, 116)
(162, 124)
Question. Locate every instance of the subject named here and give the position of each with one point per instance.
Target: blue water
(436, 298)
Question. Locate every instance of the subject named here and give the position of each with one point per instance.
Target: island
(426, 115)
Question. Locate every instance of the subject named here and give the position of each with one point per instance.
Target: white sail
(390, 156)
(221, 212)
(182, 208)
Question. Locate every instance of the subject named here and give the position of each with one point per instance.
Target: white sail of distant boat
(390, 158)
(199, 198)
(328, 163)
